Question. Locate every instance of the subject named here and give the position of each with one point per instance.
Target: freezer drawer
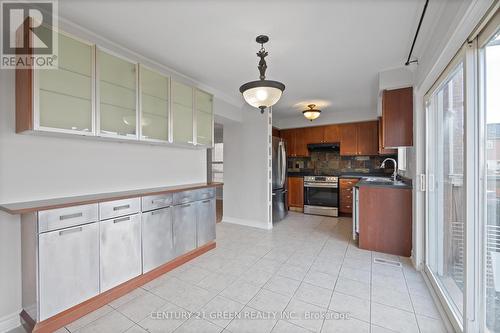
(152, 202)
(205, 222)
(68, 268)
(157, 238)
(53, 219)
(184, 228)
(120, 244)
(112, 209)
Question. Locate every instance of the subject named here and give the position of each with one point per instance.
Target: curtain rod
(408, 61)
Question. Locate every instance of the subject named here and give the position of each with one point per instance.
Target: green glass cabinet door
(154, 105)
(65, 94)
(204, 118)
(117, 96)
(182, 112)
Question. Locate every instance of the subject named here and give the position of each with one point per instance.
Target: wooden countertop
(38, 205)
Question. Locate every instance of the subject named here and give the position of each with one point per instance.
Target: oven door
(321, 196)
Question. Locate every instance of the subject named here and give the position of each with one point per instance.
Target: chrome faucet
(395, 173)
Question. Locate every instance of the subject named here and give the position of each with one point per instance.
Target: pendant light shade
(311, 113)
(262, 93)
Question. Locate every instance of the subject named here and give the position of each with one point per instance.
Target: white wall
(325, 119)
(246, 170)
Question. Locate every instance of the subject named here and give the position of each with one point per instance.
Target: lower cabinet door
(205, 223)
(68, 268)
(120, 246)
(184, 228)
(157, 238)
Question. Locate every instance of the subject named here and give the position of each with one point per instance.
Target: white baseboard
(9, 322)
(247, 223)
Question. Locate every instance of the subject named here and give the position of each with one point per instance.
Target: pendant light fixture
(262, 93)
(311, 113)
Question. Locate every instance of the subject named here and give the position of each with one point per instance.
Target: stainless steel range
(321, 195)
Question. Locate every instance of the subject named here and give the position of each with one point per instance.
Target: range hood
(324, 146)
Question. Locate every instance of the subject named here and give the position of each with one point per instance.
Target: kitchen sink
(383, 181)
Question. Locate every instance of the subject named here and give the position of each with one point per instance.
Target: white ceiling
(324, 51)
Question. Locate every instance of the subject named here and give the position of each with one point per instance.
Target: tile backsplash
(321, 162)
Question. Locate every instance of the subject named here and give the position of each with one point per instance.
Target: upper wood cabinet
(397, 117)
(154, 89)
(204, 118)
(295, 142)
(331, 133)
(313, 134)
(359, 138)
(381, 149)
(117, 96)
(368, 138)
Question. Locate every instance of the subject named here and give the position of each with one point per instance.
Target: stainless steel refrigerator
(280, 192)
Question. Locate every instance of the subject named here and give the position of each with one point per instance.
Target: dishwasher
(355, 213)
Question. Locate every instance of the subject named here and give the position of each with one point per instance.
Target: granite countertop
(350, 174)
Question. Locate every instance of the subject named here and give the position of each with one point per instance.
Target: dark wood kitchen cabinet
(359, 138)
(345, 194)
(315, 134)
(385, 220)
(295, 141)
(348, 139)
(296, 192)
(368, 138)
(331, 133)
(397, 117)
(381, 149)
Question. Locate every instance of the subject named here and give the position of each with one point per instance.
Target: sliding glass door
(462, 230)
(489, 43)
(446, 191)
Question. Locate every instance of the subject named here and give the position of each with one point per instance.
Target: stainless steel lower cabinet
(68, 268)
(184, 228)
(157, 238)
(120, 255)
(205, 222)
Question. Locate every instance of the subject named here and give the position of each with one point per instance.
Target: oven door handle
(321, 185)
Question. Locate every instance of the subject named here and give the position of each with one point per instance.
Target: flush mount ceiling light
(262, 93)
(311, 113)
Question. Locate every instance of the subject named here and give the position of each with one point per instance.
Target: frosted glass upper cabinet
(182, 113)
(63, 97)
(154, 105)
(204, 118)
(117, 96)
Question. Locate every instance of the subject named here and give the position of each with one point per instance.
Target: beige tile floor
(307, 269)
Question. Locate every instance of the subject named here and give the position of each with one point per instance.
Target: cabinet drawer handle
(158, 201)
(70, 231)
(186, 205)
(70, 216)
(123, 219)
(206, 201)
(121, 207)
(159, 211)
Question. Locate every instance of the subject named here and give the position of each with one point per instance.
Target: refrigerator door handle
(283, 163)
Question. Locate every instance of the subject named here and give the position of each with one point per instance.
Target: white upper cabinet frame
(99, 130)
(94, 92)
(141, 111)
(36, 95)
